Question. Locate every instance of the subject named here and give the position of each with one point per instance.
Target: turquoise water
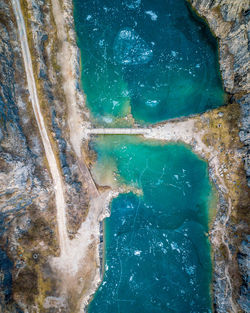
(149, 61)
(153, 59)
(157, 251)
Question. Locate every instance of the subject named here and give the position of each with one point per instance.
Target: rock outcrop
(26, 195)
(230, 22)
(28, 235)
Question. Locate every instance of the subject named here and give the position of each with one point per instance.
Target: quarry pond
(157, 250)
(154, 59)
(144, 62)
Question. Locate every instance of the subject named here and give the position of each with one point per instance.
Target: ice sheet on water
(152, 15)
(115, 103)
(132, 4)
(152, 103)
(174, 53)
(107, 119)
(130, 48)
(190, 270)
(137, 252)
(174, 246)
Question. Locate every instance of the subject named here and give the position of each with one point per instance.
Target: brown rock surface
(230, 22)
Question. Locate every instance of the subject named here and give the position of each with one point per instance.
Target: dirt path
(55, 173)
(78, 257)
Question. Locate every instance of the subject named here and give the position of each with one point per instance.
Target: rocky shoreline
(225, 298)
(229, 20)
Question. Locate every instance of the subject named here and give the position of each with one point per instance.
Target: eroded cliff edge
(230, 22)
(30, 236)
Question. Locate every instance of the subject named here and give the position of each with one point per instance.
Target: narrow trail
(55, 173)
(78, 257)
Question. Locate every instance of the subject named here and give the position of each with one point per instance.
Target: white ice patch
(176, 176)
(101, 42)
(174, 53)
(115, 103)
(106, 267)
(197, 66)
(107, 119)
(137, 252)
(125, 93)
(152, 103)
(160, 244)
(188, 184)
(152, 15)
(174, 246)
(132, 4)
(130, 49)
(159, 182)
(89, 17)
(190, 270)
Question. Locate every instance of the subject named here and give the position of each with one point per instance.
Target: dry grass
(222, 134)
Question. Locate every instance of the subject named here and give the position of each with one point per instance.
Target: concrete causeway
(118, 131)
